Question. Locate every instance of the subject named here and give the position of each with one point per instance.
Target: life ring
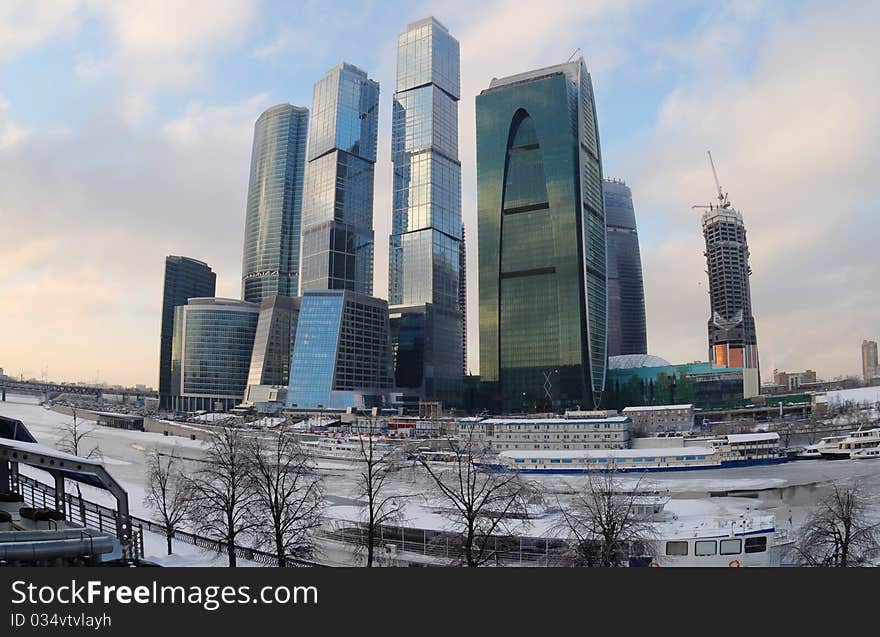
(734, 563)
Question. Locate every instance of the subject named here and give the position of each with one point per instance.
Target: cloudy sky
(125, 133)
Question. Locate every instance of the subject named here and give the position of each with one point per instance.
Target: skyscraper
(270, 265)
(342, 354)
(870, 365)
(337, 215)
(211, 353)
(542, 241)
(425, 251)
(273, 342)
(185, 278)
(627, 331)
(733, 341)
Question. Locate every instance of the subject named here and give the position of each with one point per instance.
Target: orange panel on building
(736, 357)
(721, 355)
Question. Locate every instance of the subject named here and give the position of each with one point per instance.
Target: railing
(448, 546)
(96, 516)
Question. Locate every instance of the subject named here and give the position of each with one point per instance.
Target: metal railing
(96, 516)
(448, 546)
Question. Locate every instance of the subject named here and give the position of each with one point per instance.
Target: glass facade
(342, 352)
(213, 342)
(425, 247)
(273, 341)
(627, 329)
(337, 220)
(543, 323)
(270, 265)
(185, 278)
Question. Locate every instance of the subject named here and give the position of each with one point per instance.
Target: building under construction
(732, 338)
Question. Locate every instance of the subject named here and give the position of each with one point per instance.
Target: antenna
(722, 196)
(573, 54)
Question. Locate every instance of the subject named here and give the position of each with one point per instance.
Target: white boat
(867, 453)
(343, 448)
(814, 451)
(721, 541)
(859, 439)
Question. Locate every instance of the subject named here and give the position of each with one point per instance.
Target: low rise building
(500, 434)
(655, 418)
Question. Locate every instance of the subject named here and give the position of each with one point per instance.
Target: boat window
(756, 544)
(676, 548)
(731, 547)
(704, 547)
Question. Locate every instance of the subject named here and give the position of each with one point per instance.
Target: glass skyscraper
(273, 342)
(270, 265)
(627, 329)
(425, 247)
(542, 264)
(342, 352)
(337, 219)
(185, 278)
(211, 353)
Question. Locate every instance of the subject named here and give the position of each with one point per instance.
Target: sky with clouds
(126, 126)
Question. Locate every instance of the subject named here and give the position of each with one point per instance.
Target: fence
(96, 516)
(448, 546)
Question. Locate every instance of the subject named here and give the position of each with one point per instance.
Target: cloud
(10, 133)
(82, 276)
(25, 24)
(797, 145)
(163, 44)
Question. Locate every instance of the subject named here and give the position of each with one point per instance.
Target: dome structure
(633, 361)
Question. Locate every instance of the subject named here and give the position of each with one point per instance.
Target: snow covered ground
(787, 490)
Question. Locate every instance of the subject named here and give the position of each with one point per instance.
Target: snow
(860, 395)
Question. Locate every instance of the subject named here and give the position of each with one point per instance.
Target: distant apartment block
(501, 434)
(654, 418)
(870, 366)
(791, 381)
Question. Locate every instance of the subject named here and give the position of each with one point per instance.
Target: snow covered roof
(547, 421)
(608, 453)
(751, 437)
(657, 407)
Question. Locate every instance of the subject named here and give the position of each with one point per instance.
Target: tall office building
(627, 329)
(462, 301)
(185, 278)
(273, 348)
(870, 365)
(270, 265)
(211, 353)
(425, 247)
(543, 288)
(733, 340)
(337, 214)
(342, 353)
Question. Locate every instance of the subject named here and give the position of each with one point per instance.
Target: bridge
(13, 386)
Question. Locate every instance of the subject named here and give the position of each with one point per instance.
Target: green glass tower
(543, 284)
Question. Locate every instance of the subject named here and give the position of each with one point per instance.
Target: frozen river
(787, 490)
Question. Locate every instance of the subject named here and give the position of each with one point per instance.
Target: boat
(721, 541)
(855, 440)
(732, 450)
(342, 448)
(814, 451)
(867, 453)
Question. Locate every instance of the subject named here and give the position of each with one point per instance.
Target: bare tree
(169, 492)
(378, 462)
(839, 532)
(73, 432)
(223, 490)
(288, 499)
(485, 503)
(603, 525)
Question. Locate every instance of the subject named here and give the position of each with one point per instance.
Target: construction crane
(573, 54)
(723, 201)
